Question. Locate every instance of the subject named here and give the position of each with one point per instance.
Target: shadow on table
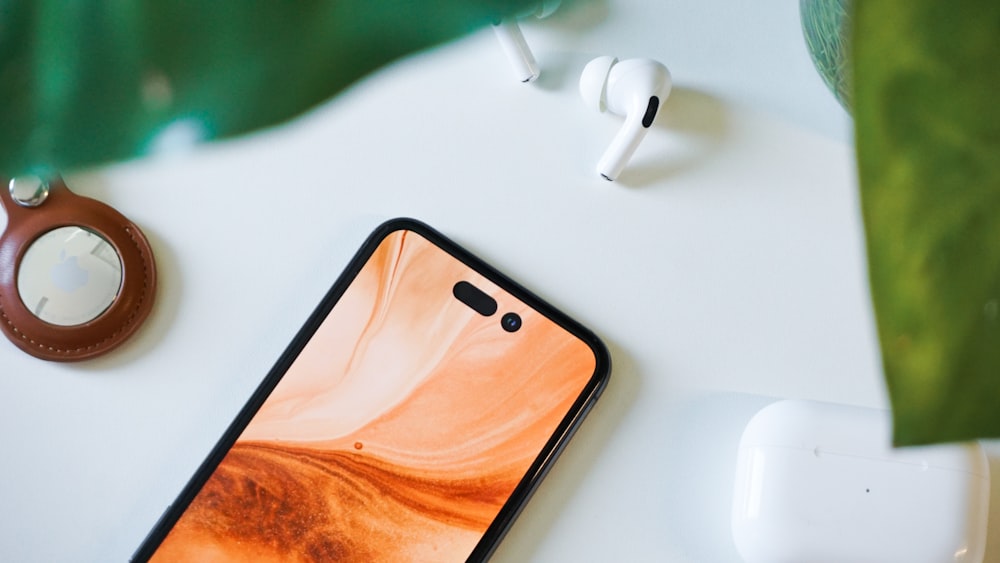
(704, 439)
(697, 125)
(576, 462)
(560, 70)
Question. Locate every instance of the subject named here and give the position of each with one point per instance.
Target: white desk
(726, 267)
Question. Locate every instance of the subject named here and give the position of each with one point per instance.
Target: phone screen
(404, 424)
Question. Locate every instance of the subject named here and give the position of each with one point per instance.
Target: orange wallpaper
(400, 430)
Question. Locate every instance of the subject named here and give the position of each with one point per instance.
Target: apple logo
(68, 275)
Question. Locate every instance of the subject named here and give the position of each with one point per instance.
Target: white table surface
(725, 269)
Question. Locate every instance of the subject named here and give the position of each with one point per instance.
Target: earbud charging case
(818, 482)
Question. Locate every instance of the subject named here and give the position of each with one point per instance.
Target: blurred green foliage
(88, 82)
(926, 85)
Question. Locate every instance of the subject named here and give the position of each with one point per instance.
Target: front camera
(511, 322)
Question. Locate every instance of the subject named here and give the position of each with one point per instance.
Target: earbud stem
(623, 146)
(513, 44)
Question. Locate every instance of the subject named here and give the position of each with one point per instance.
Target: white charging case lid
(819, 482)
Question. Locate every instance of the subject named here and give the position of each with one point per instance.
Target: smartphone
(409, 420)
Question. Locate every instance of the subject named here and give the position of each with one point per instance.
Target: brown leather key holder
(77, 278)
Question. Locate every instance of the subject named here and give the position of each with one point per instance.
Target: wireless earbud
(634, 88)
(512, 41)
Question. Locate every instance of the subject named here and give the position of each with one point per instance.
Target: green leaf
(86, 82)
(926, 91)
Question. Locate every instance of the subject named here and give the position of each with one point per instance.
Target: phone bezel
(535, 473)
